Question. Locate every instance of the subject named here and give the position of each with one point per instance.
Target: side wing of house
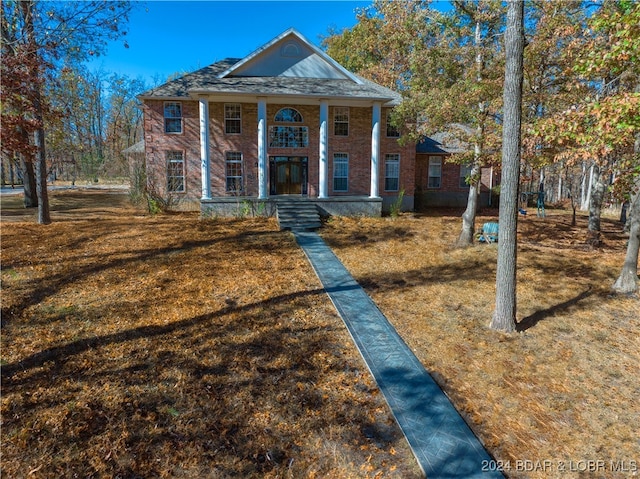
(440, 183)
(285, 120)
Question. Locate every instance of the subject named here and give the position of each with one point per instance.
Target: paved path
(441, 441)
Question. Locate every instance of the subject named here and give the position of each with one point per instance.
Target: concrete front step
(298, 216)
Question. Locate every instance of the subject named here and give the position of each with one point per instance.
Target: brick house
(439, 183)
(285, 121)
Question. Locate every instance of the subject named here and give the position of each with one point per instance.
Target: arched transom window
(288, 136)
(289, 115)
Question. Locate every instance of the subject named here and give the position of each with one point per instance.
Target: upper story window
(341, 121)
(288, 136)
(173, 117)
(392, 131)
(232, 118)
(288, 115)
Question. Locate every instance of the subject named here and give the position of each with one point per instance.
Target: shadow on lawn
(60, 354)
(48, 286)
(535, 318)
(227, 392)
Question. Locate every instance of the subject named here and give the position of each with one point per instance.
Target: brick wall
(357, 145)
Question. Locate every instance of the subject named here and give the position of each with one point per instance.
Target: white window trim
(439, 160)
(298, 134)
(301, 120)
(341, 157)
(165, 118)
(239, 105)
(389, 125)
(392, 157)
(168, 161)
(240, 161)
(462, 178)
(336, 121)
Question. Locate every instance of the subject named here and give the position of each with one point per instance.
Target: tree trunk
(594, 237)
(559, 192)
(504, 316)
(44, 217)
(469, 216)
(36, 99)
(29, 182)
(586, 200)
(627, 282)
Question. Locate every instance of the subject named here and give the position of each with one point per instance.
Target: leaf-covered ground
(559, 398)
(169, 346)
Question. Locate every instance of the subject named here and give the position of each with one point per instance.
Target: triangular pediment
(290, 55)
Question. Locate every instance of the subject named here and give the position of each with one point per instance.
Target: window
(232, 118)
(340, 172)
(173, 117)
(341, 121)
(175, 172)
(288, 136)
(234, 171)
(288, 115)
(465, 172)
(392, 131)
(435, 172)
(392, 172)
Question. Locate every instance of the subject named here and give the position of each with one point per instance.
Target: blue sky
(166, 37)
(176, 36)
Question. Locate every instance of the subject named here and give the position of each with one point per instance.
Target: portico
(280, 170)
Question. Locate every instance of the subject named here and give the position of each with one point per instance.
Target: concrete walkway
(441, 441)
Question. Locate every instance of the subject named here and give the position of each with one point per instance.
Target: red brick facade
(357, 145)
(451, 192)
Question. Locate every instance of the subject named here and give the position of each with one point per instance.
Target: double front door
(288, 175)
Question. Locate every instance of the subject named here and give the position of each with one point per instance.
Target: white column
(324, 139)
(204, 148)
(262, 148)
(375, 148)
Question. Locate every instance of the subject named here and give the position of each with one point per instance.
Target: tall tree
(484, 17)
(550, 28)
(41, 33)
(602, 122)
(504, 316)
(447, 66)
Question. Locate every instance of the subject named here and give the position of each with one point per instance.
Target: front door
(288, 175)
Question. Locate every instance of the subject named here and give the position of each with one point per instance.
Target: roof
(287, 66)
(135, 148)
(454, 140)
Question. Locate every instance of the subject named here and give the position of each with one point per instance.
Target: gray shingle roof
(206, 80)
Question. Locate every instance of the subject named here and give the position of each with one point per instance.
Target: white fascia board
(283, 98)
(163, 98)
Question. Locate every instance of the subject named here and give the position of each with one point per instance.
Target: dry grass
(565, 389)
(169, 346)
